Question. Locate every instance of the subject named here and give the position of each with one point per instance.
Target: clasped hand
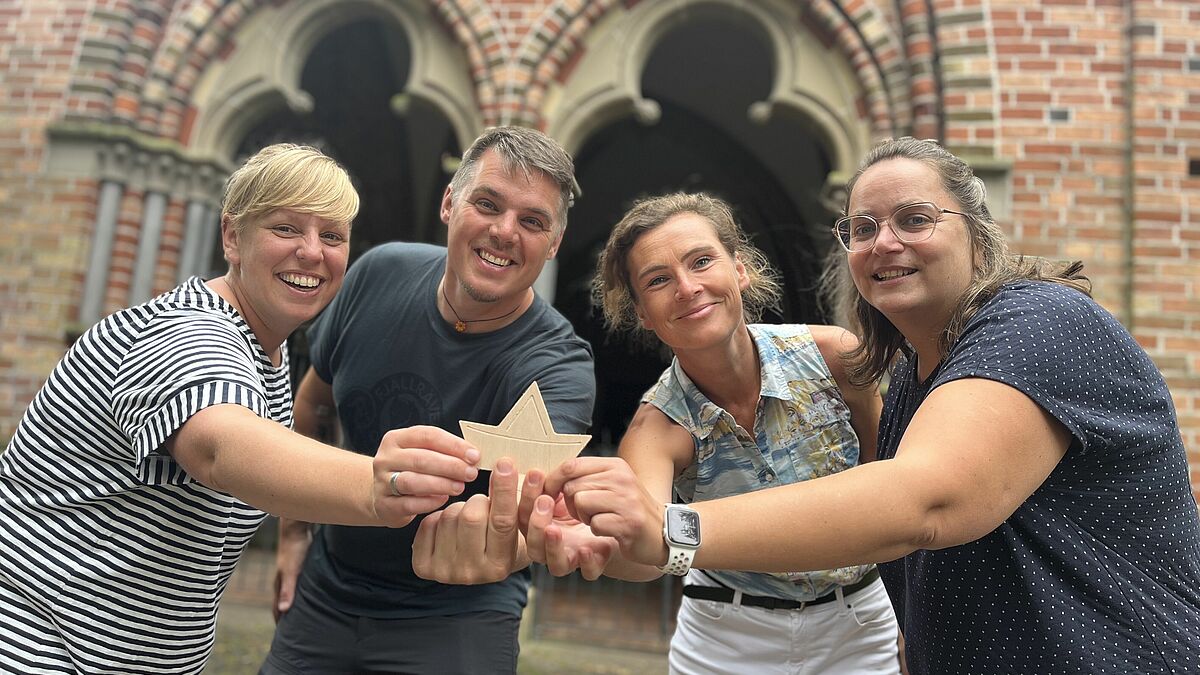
(608, 510)
(486, 538)
(586, 512)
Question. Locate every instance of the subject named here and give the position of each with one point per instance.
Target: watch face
(683, 527)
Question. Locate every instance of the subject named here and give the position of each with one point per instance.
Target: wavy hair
(612, 289)
(995, 265)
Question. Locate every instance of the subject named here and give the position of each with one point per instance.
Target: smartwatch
(681, 531)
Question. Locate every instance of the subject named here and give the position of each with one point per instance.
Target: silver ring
(392, 482)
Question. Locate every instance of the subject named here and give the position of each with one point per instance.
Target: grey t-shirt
(394, 362)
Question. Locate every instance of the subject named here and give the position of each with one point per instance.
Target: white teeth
(500, 262)
(884, 276)
(301, 280)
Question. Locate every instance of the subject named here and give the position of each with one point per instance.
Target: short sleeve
(183, 362)
(1057, 346)
(566, 377)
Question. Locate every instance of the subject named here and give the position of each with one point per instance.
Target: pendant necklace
(460, 325)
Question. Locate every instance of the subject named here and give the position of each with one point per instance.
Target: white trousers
(853, 635)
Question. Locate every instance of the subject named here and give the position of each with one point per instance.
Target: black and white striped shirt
(112, 559)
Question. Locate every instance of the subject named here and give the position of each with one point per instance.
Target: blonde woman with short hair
(145, 463)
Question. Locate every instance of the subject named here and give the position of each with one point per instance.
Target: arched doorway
(703, 139)
(393, 145)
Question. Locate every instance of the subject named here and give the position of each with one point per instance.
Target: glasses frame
(879, 225)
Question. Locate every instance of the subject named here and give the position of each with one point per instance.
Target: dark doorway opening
(704, 75)
(394, 146)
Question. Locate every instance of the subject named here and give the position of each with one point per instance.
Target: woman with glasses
(1032, 510)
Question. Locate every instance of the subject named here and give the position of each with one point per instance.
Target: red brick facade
(1090, 108)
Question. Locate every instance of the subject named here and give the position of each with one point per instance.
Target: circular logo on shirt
(396, 401)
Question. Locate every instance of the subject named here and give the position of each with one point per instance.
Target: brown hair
(612, 290)
(994, 264)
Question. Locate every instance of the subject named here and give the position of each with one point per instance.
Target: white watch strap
(679, 561)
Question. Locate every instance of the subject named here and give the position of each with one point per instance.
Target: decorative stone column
(115, 164)
(159, 173)
(200, 223)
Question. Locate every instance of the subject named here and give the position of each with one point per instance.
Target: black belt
(725, 594)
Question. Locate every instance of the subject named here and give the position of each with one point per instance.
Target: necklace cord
(460, 324)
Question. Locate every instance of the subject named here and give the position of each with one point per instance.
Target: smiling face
(284, 267)
(916, 285)
(687, 286)
(502, 230)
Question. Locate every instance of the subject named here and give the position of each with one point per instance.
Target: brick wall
(1166, 277)
(1060, 101)
(1064, 120)
(1039, 88)
(44, 224)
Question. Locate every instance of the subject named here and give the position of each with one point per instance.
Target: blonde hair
(612, 290)
(289, 176)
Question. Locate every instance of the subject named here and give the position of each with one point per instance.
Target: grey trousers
(312, 638)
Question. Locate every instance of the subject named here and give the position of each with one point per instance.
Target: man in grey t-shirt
(428, 335)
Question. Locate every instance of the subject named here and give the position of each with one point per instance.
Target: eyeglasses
(910, 223)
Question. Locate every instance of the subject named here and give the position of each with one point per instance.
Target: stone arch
(263, 73)
(746, 123)
(858, 94)
(970, 96)
(862, 34)
(191, 42)
(925, 78)
(548, 48)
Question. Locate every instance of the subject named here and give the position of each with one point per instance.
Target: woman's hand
(604, 494)
(557, 539)
(417, 470)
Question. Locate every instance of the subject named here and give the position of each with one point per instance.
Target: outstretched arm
(975, 450)
(229, 448)
(657, 450)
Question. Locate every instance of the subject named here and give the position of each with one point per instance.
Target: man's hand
(476, 541)
(294, 540)
(417, 470)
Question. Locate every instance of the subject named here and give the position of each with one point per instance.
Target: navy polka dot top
(1099, 570)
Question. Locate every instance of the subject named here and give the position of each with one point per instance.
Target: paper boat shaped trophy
(525, 435)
